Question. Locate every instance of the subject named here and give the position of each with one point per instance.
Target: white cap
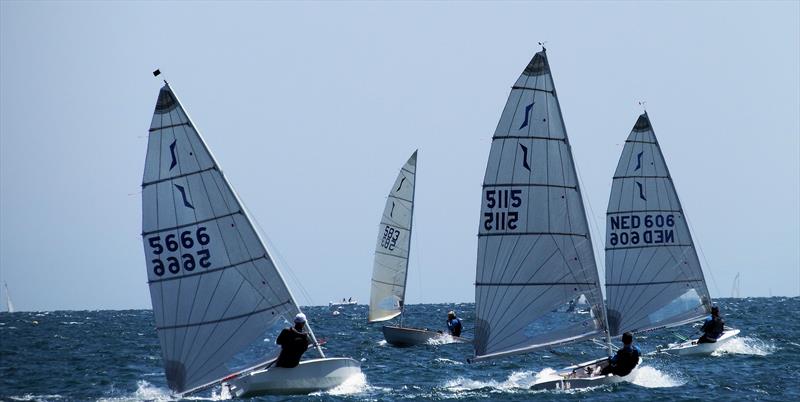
(300, 318)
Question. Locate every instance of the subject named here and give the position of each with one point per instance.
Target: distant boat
(344, 302)
(535, 252)
(216, 290)
(653, 276)
(736, 287)
(9, 304)
(390, 268)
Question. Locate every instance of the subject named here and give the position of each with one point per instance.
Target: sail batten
(215, 289)
(390, 266)
(653, 276)
(534, 247)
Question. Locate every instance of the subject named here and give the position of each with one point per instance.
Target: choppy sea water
(115, 356)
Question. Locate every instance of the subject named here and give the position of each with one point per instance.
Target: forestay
(390, 268)
(534, 248)
(653, 276)
(214, 287)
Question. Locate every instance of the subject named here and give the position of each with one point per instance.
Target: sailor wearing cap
(294, 342)
(453, 323)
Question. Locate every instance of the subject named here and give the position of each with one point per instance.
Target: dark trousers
(705, 339)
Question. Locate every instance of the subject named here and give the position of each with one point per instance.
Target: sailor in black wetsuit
(712, 327)
(625, 360)
(294, 343)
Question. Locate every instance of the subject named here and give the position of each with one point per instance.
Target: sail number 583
(501, 204)
(184, 259)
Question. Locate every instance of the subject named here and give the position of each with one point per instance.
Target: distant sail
(9, 304)
(390, 269)
(653, 276)
(534, 248)
(214, 286)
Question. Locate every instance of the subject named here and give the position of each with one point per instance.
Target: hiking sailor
(712, 327)
(626, 358)
(294, 342)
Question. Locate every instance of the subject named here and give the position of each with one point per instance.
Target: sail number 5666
(172, 243)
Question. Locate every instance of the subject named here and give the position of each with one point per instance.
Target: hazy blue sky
(311, 109)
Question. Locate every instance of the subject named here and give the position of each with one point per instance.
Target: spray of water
(746, 345)
(651, 377)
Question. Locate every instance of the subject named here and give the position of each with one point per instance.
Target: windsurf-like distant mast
(735, 289)
(9, 304)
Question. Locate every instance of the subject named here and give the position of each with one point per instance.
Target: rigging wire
(284, 265)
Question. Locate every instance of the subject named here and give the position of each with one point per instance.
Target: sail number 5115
(501, 215)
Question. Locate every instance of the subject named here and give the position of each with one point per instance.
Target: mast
(246, 213)
(410, 232)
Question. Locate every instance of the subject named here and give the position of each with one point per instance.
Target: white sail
(215, 289)
(653, 276)
(534, 248)
(390, 268)
(9, 304)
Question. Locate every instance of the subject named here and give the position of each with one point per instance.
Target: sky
(312, 108)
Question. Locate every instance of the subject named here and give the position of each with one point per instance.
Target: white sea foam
(448, 361)
(441, 339)
(31, 397)
(651, 377)
(144, 392)
(382, 342)
(516, 381)
(745, 345)
(356, 384)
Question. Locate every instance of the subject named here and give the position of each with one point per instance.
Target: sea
(115, 356)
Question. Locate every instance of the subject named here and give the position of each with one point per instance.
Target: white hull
(582, 375)
(402, 336)
(350, 303)
(689, 348)
(309, 376)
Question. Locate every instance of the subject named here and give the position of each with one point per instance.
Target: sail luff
(249, 218)
(602, 305)
(410, 232)
(707, 299)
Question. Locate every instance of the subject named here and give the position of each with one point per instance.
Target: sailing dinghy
(9, 304)
(216, 291)
(535, 253)
(390, 267)
(653, 276)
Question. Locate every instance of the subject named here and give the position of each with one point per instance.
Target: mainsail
(534, 248)
(653, 276)
(214, 287)
(390, 269)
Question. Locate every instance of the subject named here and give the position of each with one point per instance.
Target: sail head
(535, 252)
(653, 276)
(215, 289)
(390, 266)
